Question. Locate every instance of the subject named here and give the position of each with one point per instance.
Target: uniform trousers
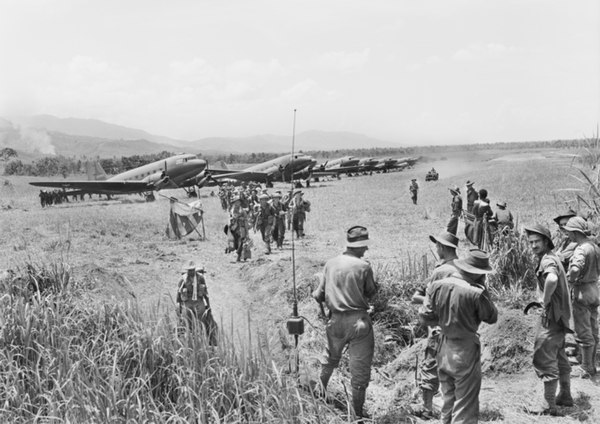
(459, 369)
(352, 328)
(586, 324)
(452, 226)
(429, 370)
(549, 356)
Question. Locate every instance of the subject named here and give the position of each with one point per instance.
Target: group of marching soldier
(53, 197)
(268, 213)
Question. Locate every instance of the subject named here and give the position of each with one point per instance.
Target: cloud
(462, 55)
(299, 90)
(346, 62)
(477, 50)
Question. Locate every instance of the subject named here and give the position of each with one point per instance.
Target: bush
(514, 265)
(65, 358)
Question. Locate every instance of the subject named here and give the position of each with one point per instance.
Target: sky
(410, 72)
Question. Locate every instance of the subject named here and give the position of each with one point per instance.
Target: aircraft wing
(336, 171)
(223, 174)
(104, 187)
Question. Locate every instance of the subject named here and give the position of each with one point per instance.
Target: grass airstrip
(101, 347)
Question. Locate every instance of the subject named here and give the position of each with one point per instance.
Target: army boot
(325, 376)
(427, 404)
(358, 401)
(550, 397)
(587, 369)
(564, 397)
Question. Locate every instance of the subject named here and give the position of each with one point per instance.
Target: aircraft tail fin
(94, 171)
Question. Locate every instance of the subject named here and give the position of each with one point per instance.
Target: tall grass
(513, 281)
(65, 358)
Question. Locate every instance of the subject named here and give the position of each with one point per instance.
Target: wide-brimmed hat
(446, 238)
(569, 213)
(454, 190)
(277, 194)
(263, 196)
(357, 236)
(470, 183)
(476, 262)
(501, 204)
(577, 224)
(236, 199)
(300, 192)
(414, 179)
(541, 230)
(189, 265)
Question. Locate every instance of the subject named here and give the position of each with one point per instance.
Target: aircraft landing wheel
(150, 197)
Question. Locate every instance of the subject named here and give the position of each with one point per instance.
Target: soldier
(456, 205)
(446, 245)
(194, 305)
(279, 224)
(414, 190)
(483, 212)
(565, 246)
(549, 356)
(346, 284)
(472, 196)
(582, 275)
(458, 306)
(299, 208)
(503, 218)
(265, 218)
(238, 225)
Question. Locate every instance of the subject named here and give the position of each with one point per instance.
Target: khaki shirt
(458, 307)
(584, 266)
(346, 284)
(559, 311)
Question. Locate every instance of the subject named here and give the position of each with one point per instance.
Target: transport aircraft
(183, 171)
(179, 171)
(283, 168)
(343, 165)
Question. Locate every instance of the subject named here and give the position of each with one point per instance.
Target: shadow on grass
(488, 414)
(396, 415)
(582, 408)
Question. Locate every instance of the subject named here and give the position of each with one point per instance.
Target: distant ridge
(92, 128)
(92, 137)
(307, 140)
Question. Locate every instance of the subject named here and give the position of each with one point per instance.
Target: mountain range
(46, 134)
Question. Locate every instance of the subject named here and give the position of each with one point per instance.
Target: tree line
(65, 166)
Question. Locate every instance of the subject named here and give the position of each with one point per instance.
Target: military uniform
(472, 196)
(299, 208)
(582, 275)
(549, 357)
(456, 205)
(265, 218)
(503, 218)
(279, 223)
(238, 225)
(414, 190)
(483, 212)
(192, 295)
(429, 372)
(345, 286)
(458, 307)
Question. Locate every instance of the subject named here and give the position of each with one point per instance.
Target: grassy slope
(120, 249)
